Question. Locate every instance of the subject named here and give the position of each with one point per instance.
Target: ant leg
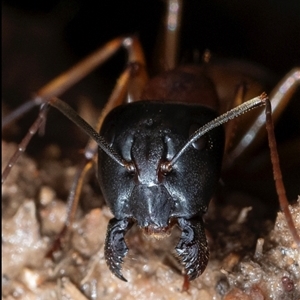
(166, 49)
(90, 151)
(137, 65)
(68, 78)
(280, 189)
(22, 146)
(135, 71)
(63, 82)
(21, 110)
(82, 124)
(279, 98)
(72, 204)
(116, 99)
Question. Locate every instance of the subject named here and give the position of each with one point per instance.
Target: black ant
(165, 146)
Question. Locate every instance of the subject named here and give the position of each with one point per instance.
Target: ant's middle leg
(67, 79)
(135, 70)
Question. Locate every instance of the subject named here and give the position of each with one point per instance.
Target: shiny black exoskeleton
(147, 134)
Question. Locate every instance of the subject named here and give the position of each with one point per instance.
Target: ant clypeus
(134, 70)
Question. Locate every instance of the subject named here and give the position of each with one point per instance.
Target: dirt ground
(246, 261)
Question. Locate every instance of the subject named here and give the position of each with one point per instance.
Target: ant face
(223, 223)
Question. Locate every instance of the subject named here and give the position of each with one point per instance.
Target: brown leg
(72, 204)
(134, 72)
(90, 151)
(22, 146)
(279, 98)
(284, 204)
(63, 82)
(166, 51)
(117, 98)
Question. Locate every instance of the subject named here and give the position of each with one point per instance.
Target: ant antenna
(233, 113)
(82, 124)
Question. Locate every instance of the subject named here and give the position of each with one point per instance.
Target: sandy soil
(245, 263)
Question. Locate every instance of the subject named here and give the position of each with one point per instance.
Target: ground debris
(32, 216)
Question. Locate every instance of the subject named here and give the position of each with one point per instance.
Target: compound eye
(201, 143)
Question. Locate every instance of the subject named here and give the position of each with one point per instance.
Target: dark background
(40, 40)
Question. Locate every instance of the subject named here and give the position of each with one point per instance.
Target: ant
(133, 82)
